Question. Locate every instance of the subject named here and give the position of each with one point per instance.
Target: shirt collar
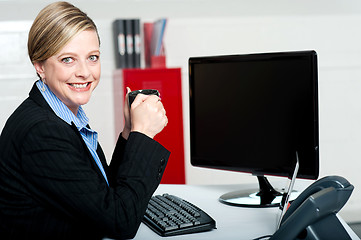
(61, 110)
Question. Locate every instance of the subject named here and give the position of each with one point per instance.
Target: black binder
(129, 45)
(119, 43)
(137, 43)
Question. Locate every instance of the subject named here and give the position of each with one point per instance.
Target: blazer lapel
(100, 153)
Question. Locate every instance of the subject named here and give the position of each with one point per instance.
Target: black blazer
(51, 188)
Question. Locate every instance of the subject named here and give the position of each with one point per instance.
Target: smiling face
(73, 73)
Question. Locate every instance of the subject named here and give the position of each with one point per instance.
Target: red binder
(168, 82)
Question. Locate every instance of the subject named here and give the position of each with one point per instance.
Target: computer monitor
(255, 113)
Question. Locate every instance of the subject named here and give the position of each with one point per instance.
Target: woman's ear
(39, 67)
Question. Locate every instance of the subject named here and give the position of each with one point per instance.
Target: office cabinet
(168, 82)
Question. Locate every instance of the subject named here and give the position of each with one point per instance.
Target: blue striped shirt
(89, 136)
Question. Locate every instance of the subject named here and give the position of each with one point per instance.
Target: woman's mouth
(79, 85)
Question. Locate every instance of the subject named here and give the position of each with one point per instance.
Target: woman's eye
(93, 58)
(67, 60)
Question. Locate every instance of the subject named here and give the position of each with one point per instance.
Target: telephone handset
(312, 215)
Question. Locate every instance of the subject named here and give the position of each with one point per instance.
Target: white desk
(231, 222)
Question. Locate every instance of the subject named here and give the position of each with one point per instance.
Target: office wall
(200, 27)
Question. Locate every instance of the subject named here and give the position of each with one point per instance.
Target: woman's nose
(82, 70)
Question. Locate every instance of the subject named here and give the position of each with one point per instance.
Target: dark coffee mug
(132, 95)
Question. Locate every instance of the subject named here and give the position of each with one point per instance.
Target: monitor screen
(252, 113)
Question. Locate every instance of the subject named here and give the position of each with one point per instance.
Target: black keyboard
(169, 215)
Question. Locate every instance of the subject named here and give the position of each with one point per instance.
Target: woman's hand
(148, 115)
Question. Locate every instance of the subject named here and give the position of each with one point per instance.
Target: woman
(55, 183)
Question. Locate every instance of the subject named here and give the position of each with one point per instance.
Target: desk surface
(231, 222)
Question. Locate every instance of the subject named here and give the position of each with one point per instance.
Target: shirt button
(162, 161)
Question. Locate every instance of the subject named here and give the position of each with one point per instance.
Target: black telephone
(312, 215)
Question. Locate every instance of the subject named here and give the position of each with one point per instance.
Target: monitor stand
(265, 196)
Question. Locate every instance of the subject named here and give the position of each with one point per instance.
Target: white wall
(200, 27)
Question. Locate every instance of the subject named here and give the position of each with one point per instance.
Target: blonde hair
(54, 27)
